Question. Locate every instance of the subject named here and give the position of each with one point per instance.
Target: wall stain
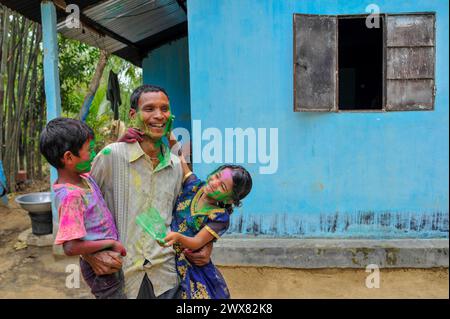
(391, 256)
(356, 255)
(340, 224)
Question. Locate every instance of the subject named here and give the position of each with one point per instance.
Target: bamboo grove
(22, 102)
(83, 74)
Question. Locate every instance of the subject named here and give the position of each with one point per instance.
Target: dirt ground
(34, 272)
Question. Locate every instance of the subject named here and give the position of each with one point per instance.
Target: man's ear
(132, 113)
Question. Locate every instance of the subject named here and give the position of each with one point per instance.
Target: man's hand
(200, 257)
(104, 262)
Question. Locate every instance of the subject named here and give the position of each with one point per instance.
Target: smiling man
(137, 177)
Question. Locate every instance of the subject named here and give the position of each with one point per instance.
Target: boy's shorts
(104, 286)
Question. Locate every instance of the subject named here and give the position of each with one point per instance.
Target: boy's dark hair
(62, 135)
(242, 184)
(134, 99)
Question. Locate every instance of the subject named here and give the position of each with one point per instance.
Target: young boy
(85, 223)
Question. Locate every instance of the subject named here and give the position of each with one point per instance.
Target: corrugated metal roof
(128, 28)
(137, 19)
(86, 35)
(31, 9)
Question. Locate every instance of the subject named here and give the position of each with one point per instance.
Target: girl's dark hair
(62, 135)
(242, 184)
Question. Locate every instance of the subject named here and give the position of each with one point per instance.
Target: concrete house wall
(338, 175)
(168, 67)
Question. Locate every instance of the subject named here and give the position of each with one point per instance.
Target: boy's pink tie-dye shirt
(83, 213)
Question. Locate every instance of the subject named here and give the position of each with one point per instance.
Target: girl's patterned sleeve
(217, 223)
(190, 183)
(71, 218)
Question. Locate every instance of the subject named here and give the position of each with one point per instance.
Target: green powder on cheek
(138, 122)
(169, 124)
(215, 193)
(218, 195)
(85, 166)
(222, 197)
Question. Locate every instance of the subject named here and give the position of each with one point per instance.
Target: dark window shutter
(410, 62)
(315, 61)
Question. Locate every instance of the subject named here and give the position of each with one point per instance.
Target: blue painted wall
(375, 175)
(168, 67)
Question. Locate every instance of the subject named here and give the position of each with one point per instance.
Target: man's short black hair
(62, 135)
(134, 99)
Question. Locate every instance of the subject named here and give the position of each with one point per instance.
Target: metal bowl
(35, 202)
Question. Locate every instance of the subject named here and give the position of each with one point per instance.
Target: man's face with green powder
(153, 116)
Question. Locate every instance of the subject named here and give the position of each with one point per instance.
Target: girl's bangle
(186, 176)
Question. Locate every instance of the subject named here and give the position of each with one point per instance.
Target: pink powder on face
(226, 176)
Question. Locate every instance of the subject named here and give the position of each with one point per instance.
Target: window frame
(384, 64)
(384, 17)
(433, 78)
(315, 110)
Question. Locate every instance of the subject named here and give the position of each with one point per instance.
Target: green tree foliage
(22, 97)
(77, 63)
(101, 115)
(21, 114)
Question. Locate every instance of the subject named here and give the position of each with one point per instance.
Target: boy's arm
(82, 247)
(201, 239)
(103, 262)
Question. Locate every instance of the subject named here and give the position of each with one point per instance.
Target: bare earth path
(33, 272)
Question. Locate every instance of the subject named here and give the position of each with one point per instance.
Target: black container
(41, 223)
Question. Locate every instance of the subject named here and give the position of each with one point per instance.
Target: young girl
(85, 223)
(202, 214)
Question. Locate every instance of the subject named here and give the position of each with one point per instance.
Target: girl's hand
(172, 238)
(118, 247)
(172, 140)
(174, 145)
(132, 135)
